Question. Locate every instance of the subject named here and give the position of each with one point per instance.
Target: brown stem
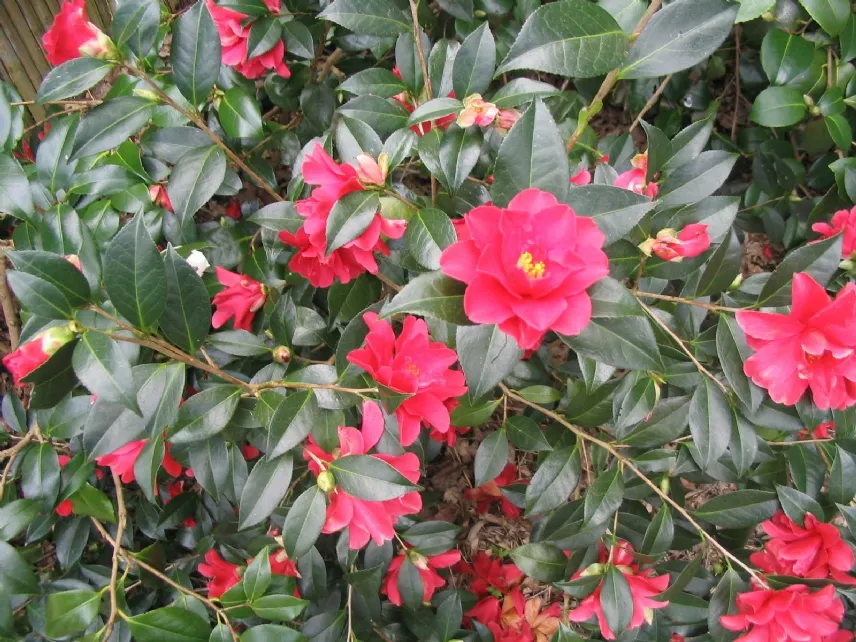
(651, 102)
(332, 59)
(677, 299)
(683, 347)
(133, 561)
(609, 82)
(12, 454)
(9, 312)
(629, 464)
(417, 36)
(114, 571)
(197, 120)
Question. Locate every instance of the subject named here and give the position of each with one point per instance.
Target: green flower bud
(326, 481)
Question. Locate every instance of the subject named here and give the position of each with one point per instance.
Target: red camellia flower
(160, 198)
(250, 452)
(413, 365)
(364, 519)
(811, 347)
(644, 585)
(815, 551)
(64, 508)
(36, 352)
(221, 574)
(826, 430)
(793, 614)
(241, 299)
(670, 245)
(311, 260)
(121, 461)
(72, 35)
(842, 221)
(582, 177)
(427, 567)
(490, 578)
(233, 210)
(527, 267)
(281, 564)
(523, 620)
(406, 100)
(635, 179)
(235, 37)
(490, 492)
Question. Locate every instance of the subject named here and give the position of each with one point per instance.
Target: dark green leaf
(292, 422)
(187, 316)
(240, 114)
(459, 153)
(298, 39)
(698, 179)
(350, 217)
(739, 509)
(474, 63)
(15, 197)
(16, 574)
(281, 608)
(265, 488)
(785, 56)
(375, 82)
(532, 155)
(269, 632)
(616, 211)
(205, 414)
(209, 460)
(842, 477)
(432, 538)
(429, 232)
(604, 496)
(723, 602)
(135, 276)
(56, 271)
(264, 34)
(72, 78)
(616, 600)
(487, 355)
(102, 366)
(304, 522)
(16, 516)
(520, 91)
(554, 481)
(491, 457)
(679, 36)
(525, 434)
(52, 158)
(410, 584)
(136, 23)
(710, 422)
(432, 295)
(543, 562)
(797, 504)
(195, 53)
(383, 116)
(354, 137)
(110, 124)
(831, 15)
(819, 260)
(733, 351)
(433, 109)
(169, 623)
(195, 179)
(778, 107)
(722, 268)
(92, 502)
(660, 533)
(256, 578)
(381, 18)
(370, 478)
(572, 38)
(70, 612)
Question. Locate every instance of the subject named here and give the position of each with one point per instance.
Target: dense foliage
(285, 268)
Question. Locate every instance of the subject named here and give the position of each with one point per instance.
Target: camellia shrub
(392, 321)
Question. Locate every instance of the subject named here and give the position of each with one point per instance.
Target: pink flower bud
(477, 112)
(72, 35)
(506, 118)
(371, 171)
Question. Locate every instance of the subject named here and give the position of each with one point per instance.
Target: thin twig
(627, 462)
(417, 36)
(332, 59)
(117, 547)
(134, 561)
(651, 102)
(12, 454)
(737, 33)
(197, 120)
(683, 347)
(392, 285)
(677, 299)
(11, 316)
(609, 82)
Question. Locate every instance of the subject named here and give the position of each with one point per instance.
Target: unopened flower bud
(594, 569)
(148, 94)
(281, 354)
(736, 283)
(74, 260)
(198, 262)
(371, 171)
(55, 338)
(419, 560)
(326, 481)
(506, 118)
(665, 484)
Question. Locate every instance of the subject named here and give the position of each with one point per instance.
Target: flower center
(414, 370)
(531, 268)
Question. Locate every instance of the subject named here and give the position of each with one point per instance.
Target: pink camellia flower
(582, 177)
(815, 551)
(644, 585)
(427, 567)
(793, 614)
(488, 493)
(842, 221)
(35, 353)
(311, 260)
(121, 461)
(527, 267)
(160, 198)
(364, 519)
(506, 118)
(811, 347)
(490, 578)
(235, 37)
(241, 299)
(670, 245)
(413, 365)
(72, 35)
(221, 574)
(477, 112)
(371, 171)
(635, 179)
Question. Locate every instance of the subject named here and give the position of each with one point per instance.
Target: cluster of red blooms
(235, 38)
(311, 258)
(240, 300)
(488, 493)
(72, 35)
(811, 347)
(502, 607)
(223, 575)
(364, 519)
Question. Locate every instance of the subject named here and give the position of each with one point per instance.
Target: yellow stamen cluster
(531, 268)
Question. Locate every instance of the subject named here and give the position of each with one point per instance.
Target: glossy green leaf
(240, 114)
(459, 153)
(491, 457)
(778, 107)
(136, 24)
(72, 78)
(15, 197)
(102, 366)
(381, 18)
(819, 260)
(616, 600)
(429, 232)
(739, 509)
(487, 355)
(350, 217)
(710, 422)
(70, 612)
(264, 490)
(110, 124)
(831, 15)
(280, 608)
(292, 422)
(604, 496)
(169, 623)
(543, 562)
(370, 478)
(195, 179)
(432, 295)
(554, 481)
(195, 53)
(616, 211)
(187, 316)
(475, 63)
(205, 414)
(304, 522)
